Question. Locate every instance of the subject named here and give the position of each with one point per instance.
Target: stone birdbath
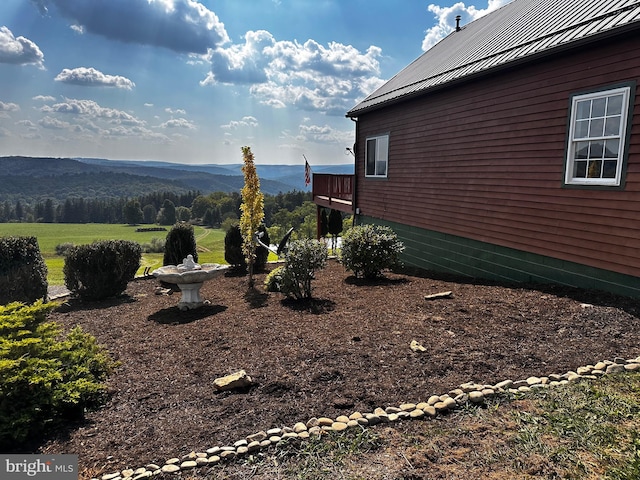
(189, 276)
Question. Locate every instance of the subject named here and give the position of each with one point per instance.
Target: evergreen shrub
(102, 269)
(234, 255)
(180, 242)
(23, 273)
(45, 379)
(367, 250)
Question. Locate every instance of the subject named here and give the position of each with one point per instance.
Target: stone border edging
(467, 393)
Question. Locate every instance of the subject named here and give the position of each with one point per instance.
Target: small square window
(595, 148)
(377, 156)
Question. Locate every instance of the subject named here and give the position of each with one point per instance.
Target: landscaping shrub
(273, 280)
(302, 259)
(367, 250)
(63, 248)
(233, 254)
(262, 254)
(23, 273)
(156, 245)
(102, 269)
(45, 381)
(180, 242)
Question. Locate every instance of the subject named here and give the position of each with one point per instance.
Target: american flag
(307, 173)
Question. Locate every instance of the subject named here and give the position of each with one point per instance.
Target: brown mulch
(346, 350)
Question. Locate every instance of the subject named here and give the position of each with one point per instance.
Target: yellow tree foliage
(252, 209)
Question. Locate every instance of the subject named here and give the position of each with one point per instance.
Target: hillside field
(210, 242)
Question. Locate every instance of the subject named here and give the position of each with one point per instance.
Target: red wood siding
(485, 160)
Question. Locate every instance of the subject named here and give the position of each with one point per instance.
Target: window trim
(366, 155)
(628, 90)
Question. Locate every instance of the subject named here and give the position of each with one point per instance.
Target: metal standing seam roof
(518, 30)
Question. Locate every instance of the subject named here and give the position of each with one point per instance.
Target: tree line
(162, 207)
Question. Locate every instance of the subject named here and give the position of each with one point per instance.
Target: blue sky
(192, 82)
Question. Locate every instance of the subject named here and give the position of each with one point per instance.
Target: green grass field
(210, 242)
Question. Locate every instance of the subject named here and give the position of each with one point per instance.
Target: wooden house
(511, 149)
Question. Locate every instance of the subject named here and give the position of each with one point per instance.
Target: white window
(377, 156)
(597, 134)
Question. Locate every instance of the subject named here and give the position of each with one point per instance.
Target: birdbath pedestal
(189, 276)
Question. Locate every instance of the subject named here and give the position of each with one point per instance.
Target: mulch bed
(346, 350)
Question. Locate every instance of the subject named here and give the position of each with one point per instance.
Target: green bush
(63, 248)
(273, 280)
(180, 242)
(102, 269)
(156, 245)
(45, 381)
(302, 259)
(234, 255)
(262, 254)
(367, 250)
(233, 248)
(23, 273)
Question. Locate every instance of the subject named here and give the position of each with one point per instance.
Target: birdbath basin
(189, 276)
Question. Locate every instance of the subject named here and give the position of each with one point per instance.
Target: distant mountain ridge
(44, 177)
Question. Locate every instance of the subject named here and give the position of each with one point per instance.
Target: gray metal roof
(518, 31)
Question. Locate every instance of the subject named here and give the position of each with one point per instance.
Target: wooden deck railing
(333, 191)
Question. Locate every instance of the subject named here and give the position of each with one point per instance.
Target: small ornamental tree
(252, 210)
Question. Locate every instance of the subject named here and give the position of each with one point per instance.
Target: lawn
(210, 242)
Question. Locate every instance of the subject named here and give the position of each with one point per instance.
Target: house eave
(559, 50)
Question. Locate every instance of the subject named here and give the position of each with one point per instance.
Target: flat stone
(325, 421)
(259, 436)
(312, 422)
(170, 468)
(265, 443)
(241, 443)
(172, 461)
(299, 427)
(430, 410)
(126, 473)
(372, 418)
(379, 411)
(615, 368)
(253, 446)
(476, 397)
(143, 475)
(238, 379)
(213, 459)
(584, 370)
(339, 426)
(433, 399)
(152, 467)
(201, 461)
(505, 384)
(524, 389)
(355, 416)
(416, 347)
(275, 438)
(188, 464)
(274, 431)
(533, 381)
(242, 450)
(462, 398)
(417, 413)
(600, 366)
(352, 423)
(342, 418)
(408, 407)
(632, 367)
(228, 454)
(303, 435)
(362, 421)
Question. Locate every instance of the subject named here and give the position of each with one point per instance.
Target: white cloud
(44, 98)
(9, 107)
(446, 19)
(19, 50)
(178, 123)
(79, 29)
(91, 77)
(247, 121)
(320, 134)
(178, 111)
(308, 75)
(91, 109)
(181, 25)
(53, 123)
(28, 124)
